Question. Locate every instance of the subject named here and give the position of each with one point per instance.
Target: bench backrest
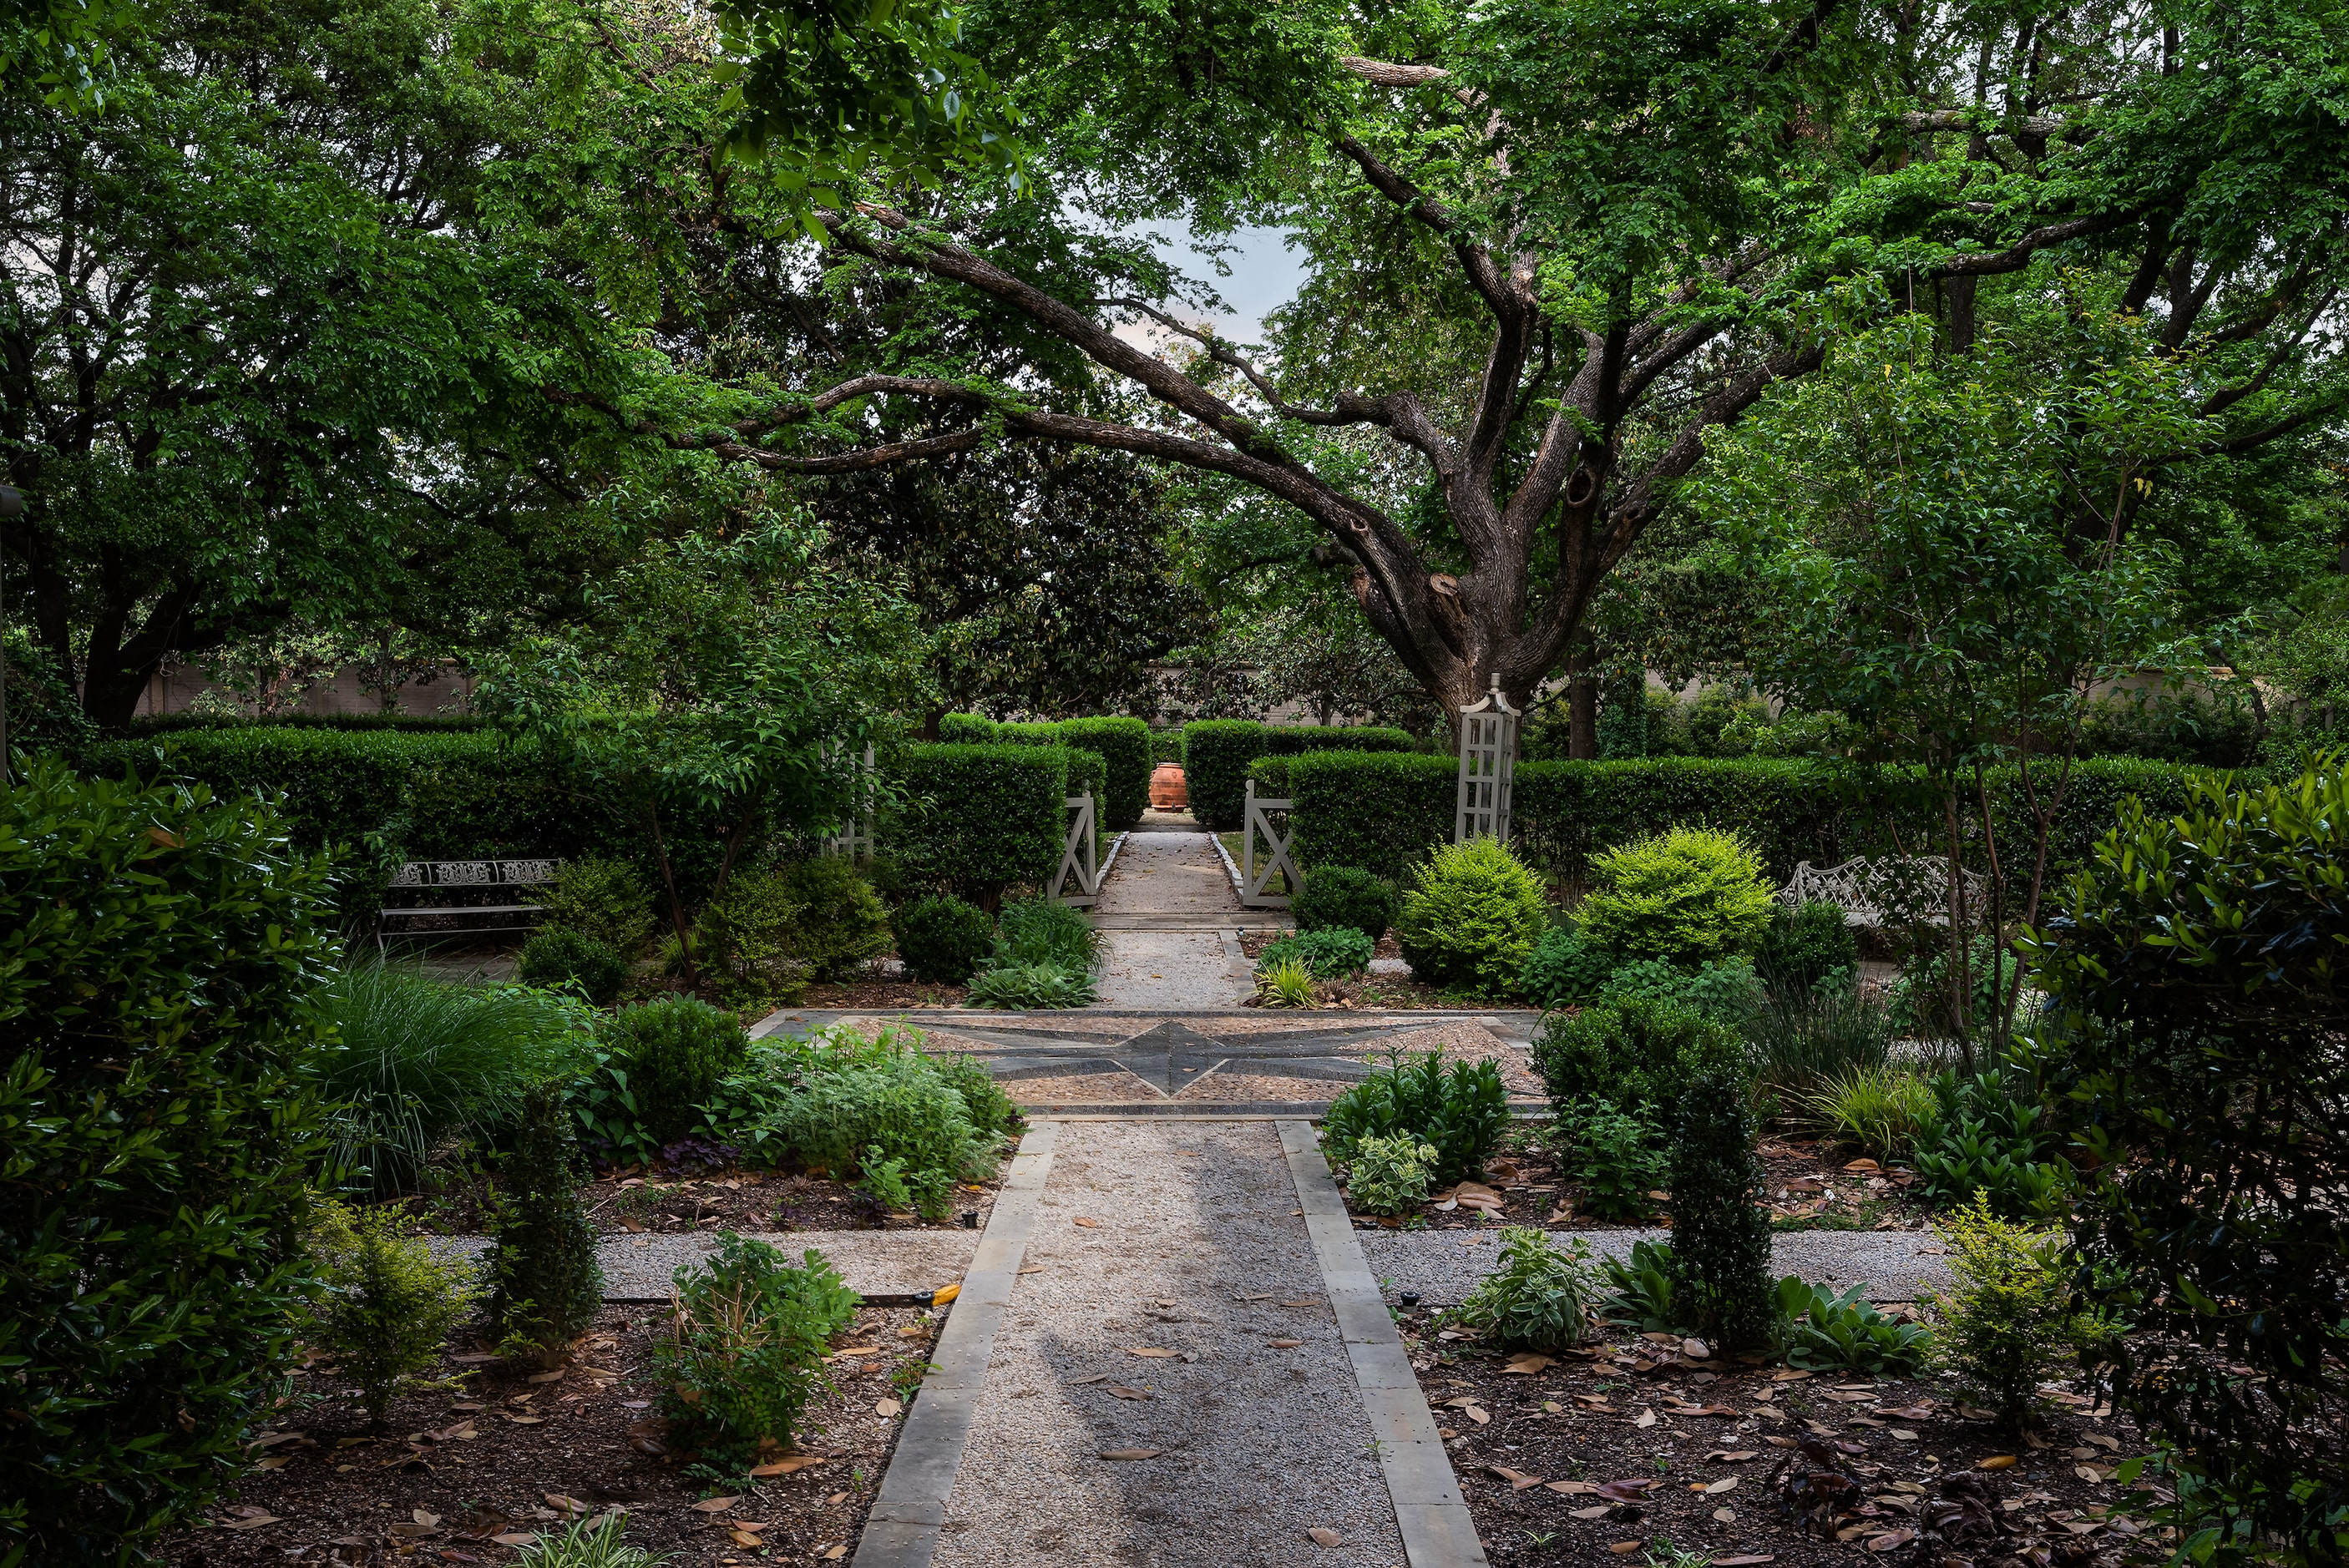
(421, 874)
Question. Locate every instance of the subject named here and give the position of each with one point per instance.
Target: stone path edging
(1437, 1532)
(902, 1531)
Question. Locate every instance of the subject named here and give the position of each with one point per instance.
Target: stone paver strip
(1254, 1414)
(903, 1530)
(880, 1265)
(1443, 1267)
(1429, 1509)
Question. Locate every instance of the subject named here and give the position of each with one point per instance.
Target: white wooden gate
(1279, 862)
(1077, 858)
(855, 841)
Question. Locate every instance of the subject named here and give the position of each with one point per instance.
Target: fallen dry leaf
(1284, 1343)
(1644, 1419)
(1726, 1457)
(1727, 1483)
(1085, 1224)
(1323, 1535)
(1088, 1377)
(515, 1537)
(1476, 1415)
(1130, 1453)
(1573, 1489)
(527, 1420)
(1996, 1461)
(785, 1467)
(715, 1505)
(1601, 1512)
(1529, 1361)
(1309, 1301)
(1622, 1548)
(1149, 1350)
(1122, 1392)
(424, 1517)
(246, 1517)
(554, 1376)
(743, 1538)
(837, 1552)
(888, 1407)
(1890, 1541)
(1745, 1560)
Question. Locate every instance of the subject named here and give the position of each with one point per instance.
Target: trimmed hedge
(1125, 747)
(980, 817)
(1383, 811)
(445, 793)
(1216, 753)
(376, 723)
(1121, 786)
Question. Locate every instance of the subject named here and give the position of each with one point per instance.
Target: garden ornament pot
(1167, 790)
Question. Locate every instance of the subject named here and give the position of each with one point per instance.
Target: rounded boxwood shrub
(1637, 1054)
(942, 940)
(1564, 968)
(558, 953)
(1338, 897)
(675, 1051)
(607, 900)
(840, 921)
(163, 966)
(1689, 894)
(1803, 945)
(1472, 917)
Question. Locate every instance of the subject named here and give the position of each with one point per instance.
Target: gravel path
(872, 1263)
(1171, 873)
(1443, 1266)
(1257, 1444)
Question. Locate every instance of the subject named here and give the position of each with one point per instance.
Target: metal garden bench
(1864, 889)
(451, 891)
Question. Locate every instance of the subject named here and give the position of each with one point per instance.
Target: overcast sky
(1265, 275)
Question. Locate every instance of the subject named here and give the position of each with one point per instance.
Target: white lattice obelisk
(1489, 766)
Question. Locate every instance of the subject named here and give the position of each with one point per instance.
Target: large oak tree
(1553, 243)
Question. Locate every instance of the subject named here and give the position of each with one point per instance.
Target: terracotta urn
(1167, 790)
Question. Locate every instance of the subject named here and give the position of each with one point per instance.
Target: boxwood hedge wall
(1122, 744)
(1382, 811)
(978, 819)
(1216, 753)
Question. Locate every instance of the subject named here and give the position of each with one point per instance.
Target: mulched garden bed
(1636, 1444)
(1810, 1186)
(880, 995)
(468, 1474)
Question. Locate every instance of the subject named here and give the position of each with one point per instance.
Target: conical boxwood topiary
(548, 1284)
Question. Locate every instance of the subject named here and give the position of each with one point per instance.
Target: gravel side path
(1171, 873)
(1255, 1443)
(1443, 1266)
(871, 1263)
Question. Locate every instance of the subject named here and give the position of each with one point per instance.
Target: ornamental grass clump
(1687, 895)
(1538, 1299)
(1286, 984)
(1876, 1109)
(745, 1346)
(1472, 914)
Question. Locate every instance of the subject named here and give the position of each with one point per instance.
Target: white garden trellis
(1488, 766)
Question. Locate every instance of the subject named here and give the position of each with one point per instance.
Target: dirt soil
(467, 1474)
(1637, 1447)
(881, 996)
(1398, 992)
(1811, 1186)
(631, 1201)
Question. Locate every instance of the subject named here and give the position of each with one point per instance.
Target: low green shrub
(896, 1101)
(1023, 987)
(1539, 1298)
(1284, 984)
(1471, 917)
(1216, 753)
(993, 1112)
(1686, 896)
(1802, 1039)
(557, 955)
(1637, 1054)
(943, 939)
(1461, 1108)
(2008, 1321)
(1040, 931)
(389, 1303)
(895, 1190)
(1564, 969)
(605, 900)
(1981, 1134)
(675, 1051)
(547, 1285)
(743, 941)
(1390, 1176)
(421, 1062)
(163, 961)
(1805, 944)
(1346, 898)
(840, 924)
(1332, 954)
(745, 1351)
(1642, 1291)
(1611, 1157)
(1846, 1332)
(1720, 1231)
(1726, 992)
(1876, 1110)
